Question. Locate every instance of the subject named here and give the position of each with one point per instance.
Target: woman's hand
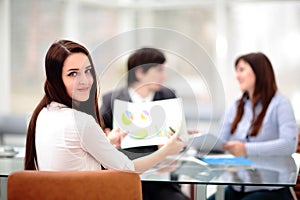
(236, 148)
(115, 136)
(174, 144)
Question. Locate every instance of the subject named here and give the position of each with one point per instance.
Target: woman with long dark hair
(261, 122)
(65, 130)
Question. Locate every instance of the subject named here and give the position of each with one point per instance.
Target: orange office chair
(92, 185)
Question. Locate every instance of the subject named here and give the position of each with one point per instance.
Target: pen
(173, 131)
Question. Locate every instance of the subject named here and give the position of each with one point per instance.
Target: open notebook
(149, 123)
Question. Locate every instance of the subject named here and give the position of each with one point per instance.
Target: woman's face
(246, 77)
(77, 76)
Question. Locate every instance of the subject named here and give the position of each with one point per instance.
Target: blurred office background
(224, 29)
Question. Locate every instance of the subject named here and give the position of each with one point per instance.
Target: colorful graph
(148, 123)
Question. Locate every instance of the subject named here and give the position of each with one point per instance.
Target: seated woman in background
(65, 131)
(261, 122)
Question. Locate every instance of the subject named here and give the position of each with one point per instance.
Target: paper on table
(149, 123)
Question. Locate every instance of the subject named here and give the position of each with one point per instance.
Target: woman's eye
(239, 69)
(88, 70)
(73, 74)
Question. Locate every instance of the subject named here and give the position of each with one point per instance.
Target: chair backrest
(91, 185)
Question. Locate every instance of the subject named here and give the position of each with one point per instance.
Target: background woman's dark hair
(55, 91)
(144, 58)
(265, 89)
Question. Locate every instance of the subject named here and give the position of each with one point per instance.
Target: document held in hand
(149, 123)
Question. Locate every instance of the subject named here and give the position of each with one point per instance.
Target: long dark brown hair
(55, 91)
(265, 89)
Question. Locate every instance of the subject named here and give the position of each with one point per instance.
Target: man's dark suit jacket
(122, 94)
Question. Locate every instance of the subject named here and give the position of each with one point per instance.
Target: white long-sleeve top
(70, 140)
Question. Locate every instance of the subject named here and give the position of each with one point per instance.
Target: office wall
(223, 29)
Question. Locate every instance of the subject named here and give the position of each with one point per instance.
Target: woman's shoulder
(280, 98)
(231, 107)
(55, 106)
(236, 102)
(280, 101)
(62, 109)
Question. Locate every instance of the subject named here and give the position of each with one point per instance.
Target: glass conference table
(223, 170)
(185, 168)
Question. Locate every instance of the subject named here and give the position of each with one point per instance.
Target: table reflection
(266, 171)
